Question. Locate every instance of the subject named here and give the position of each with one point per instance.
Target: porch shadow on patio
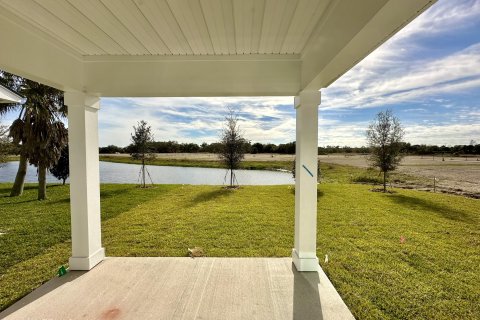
(185, 288)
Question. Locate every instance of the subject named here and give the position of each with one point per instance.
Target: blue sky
(428, 74)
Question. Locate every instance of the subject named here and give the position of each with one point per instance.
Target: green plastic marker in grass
(62, 271)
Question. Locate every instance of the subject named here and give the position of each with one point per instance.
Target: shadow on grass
(446, 212)
(56, 185)
(64, 200)
(210, 196)
(5, 191)
(106, 194)
(320, 193)
(117, 200)
(16, 202)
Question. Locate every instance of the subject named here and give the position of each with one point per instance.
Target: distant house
(8, 96)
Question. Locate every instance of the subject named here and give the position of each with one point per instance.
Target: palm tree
(39, 130)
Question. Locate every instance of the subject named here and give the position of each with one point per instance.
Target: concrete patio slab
(185, 288)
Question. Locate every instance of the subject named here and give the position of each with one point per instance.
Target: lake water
(129, 173)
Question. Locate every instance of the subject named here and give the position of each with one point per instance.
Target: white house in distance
(191, 48)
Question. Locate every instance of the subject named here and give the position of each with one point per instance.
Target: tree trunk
(143, 172)
(64, 180)
(384, 181)
(231, 177)
(42, 183)
(17, 188)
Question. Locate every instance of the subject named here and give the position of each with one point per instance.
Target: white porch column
(87, 248)
(304, 254)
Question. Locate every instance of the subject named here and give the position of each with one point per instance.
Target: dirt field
(454, 175)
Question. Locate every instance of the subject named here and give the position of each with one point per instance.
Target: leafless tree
(385, 136)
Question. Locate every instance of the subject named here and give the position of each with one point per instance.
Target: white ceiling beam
(37, 56)
(192, 77)
(325, 58)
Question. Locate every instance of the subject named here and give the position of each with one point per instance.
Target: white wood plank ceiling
(175, 27)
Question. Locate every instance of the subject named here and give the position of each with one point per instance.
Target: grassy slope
(432, 275)
(254, 165)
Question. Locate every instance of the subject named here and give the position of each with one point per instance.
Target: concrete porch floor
(185, 288)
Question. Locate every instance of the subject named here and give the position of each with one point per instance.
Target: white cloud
(443, 17)
(342, 135)
(377, 86)
(197, 119)
(404, 69)
(451, 134)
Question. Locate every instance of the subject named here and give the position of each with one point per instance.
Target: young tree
(384, 137)
(61, 170)
(141, 141)
(232, 143)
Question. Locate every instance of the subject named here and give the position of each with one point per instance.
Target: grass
(432, 275)
(248, 165)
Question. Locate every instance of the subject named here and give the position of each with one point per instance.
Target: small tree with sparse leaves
(232, 143)
(142, 138)
(385, 137)
(61, 170)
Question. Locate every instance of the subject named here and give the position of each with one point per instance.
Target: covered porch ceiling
(194, 47)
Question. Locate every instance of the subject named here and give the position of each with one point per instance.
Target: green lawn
(434, 274)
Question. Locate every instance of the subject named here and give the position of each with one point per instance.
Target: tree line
(215, 147)
(289, 148)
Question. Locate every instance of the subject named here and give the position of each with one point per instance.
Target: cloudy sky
(428, 74)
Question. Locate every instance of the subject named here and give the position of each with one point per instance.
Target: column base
(86, 263)
(305, 264)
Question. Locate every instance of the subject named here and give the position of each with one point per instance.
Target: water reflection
(129, 173)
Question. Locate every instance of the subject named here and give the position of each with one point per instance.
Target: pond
(129, 173)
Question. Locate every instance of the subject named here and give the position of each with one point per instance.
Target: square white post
(87, 248)
(304, 253)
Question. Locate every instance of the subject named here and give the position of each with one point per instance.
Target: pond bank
(272, 165)
(111, 172)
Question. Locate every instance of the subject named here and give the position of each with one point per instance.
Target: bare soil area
(453, 175)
